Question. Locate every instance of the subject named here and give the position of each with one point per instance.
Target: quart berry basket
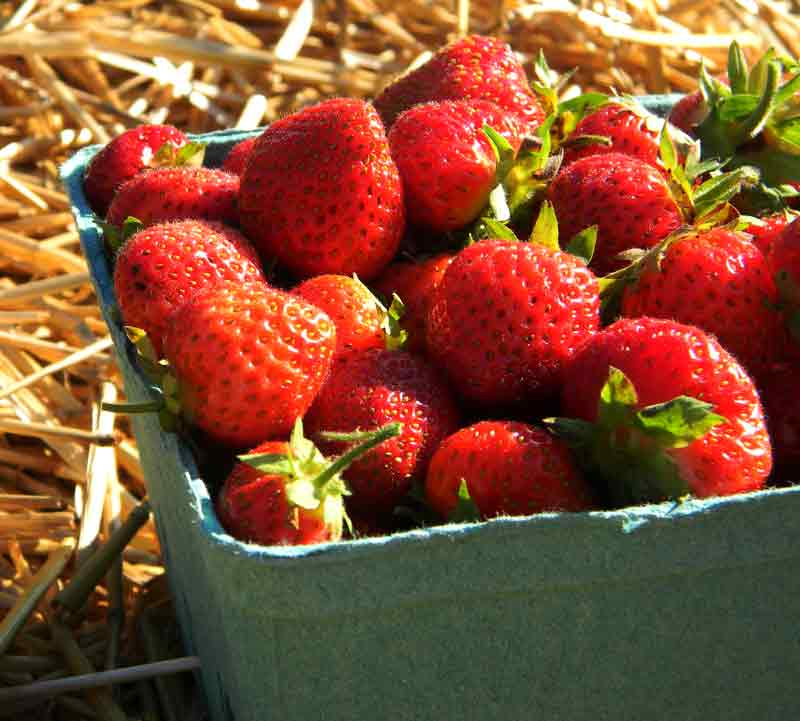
(686, 612)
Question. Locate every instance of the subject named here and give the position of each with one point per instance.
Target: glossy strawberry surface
(510, 468)
(160, 267)
(321, 193)
(176, 193)
(629, 132)
(350, 306)
(628, 200)
(507, 316)
(414, 283)
(252, 506)
(663, 360)
(473, 67)
(367, 390)
(125, 156)
(447, 163)
(249, 360)
(719, 281)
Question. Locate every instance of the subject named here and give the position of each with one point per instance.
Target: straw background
(74, 73)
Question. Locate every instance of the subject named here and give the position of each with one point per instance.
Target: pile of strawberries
(471, 297)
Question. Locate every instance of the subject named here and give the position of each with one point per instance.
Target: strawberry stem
(369, 441)
(129, 408)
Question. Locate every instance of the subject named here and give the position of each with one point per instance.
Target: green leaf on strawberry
(583, 243)
(115, 235)
(465, 510)
(545, 230)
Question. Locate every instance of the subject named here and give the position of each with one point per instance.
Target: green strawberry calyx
(630, 447)
(167, 403)
(115, 236)
(314, 481)
(465, 509)
(395, 336)
(170, 155)
(545, 232)
(755, 120)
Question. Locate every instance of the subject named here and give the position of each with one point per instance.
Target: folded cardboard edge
(219, 142)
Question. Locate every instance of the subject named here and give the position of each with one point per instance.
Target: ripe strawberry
(414, 283)
(160, 267)
(322, 194)
(509, 468)
(125, 156)
(626, 198)
(630, 129)
(272, 500)
(677, 413)
(248, 360)
(767, 229)
(236, 158)
(164, 194)
(446, 161)
(350, 305)
(784, 264)
(507, 316)
(368, 389)
(474, 67)
(718, 281)
(689, 112)
(780, 389)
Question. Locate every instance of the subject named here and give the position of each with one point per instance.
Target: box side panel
(691, 647)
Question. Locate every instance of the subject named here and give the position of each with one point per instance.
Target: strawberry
(475, 67)
(447, 162)
(354, 310)
(507, 316)
(629, 201)
(160, 267)
(368, 389)
(508, 468)
(163, 194)
(764, 231)
(784, 263)
(718, 281)
(628, 127)
(248, 360)
(288, 493)
(236, 158)
(659, 409)
(125, 156)
(321, 193)
(414, 283)
(780, 389)
(688, 112)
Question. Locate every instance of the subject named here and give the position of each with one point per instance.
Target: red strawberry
(677, 414)
(509, 468)
(125, 156)
(414, 283)
(235, 161)
(447, 162)
(322, 194)
(368, 389)
(689, 112)
(780, 389)
(470, 68)
(767, 229)
(784, 264)
(160, 267)
(718, 281)
(632, 131)
(163, 194)
(626, 198)
(507, 316)
(269, 500)
(358, 318)
(248, 360)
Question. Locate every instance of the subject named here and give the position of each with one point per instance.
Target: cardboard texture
(680, 611)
